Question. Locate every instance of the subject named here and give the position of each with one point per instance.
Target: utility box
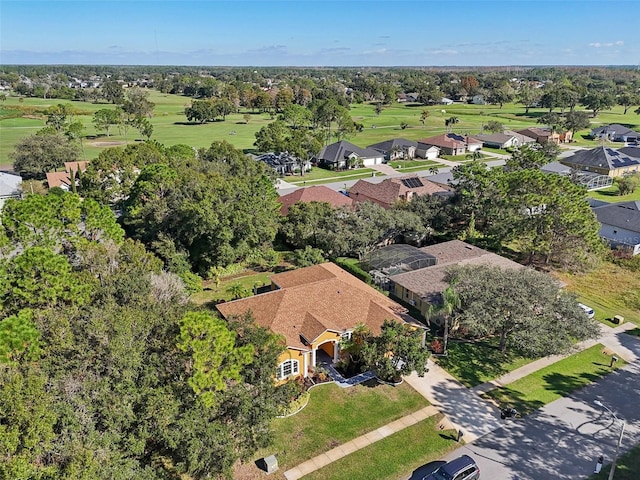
(269, 464)
(618, 319)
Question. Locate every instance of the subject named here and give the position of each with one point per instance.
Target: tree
(113, 92)
(144, 126)
(446, 309)
(215, 360)
(200, 111)
(308, 256)
(398, 350)
(597, 101)
(526, 309)
(19, 338)
(500, 95)
(529, 96)
(37, 154)
(552, 120)
(237, 290)
(627, 99)
(246, 117)
(423, 116)
(450, 122)
(273, 137)
(493, 126)
(627, 184)
(576, 120)
(58, 117)
(305, 224)
(379, 108)
(526, 157)
(105, 118)
(137, 103)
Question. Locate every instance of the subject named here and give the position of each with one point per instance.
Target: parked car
(462, 468)
(588, 310)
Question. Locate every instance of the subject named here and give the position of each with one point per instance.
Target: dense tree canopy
(526, 309)
(36, 155)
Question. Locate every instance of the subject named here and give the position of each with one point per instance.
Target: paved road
(564, 438)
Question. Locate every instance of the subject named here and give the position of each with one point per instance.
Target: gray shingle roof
(601, 157)
(614, 128)
(622, 215)
(388, 145)
(339, 151)
(495, 138)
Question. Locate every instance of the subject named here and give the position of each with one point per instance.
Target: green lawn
(322, 175)
(610, 290)
(411, 164)
(555, 381)
(394, 456)
(610, 194)
(474, 363)
(213, 293)
(170, 126)
(336, 415)
(627, 468)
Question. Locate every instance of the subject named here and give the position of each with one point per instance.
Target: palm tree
(423, 116)
(450, 304)
(449, 122)
(434, 170)
(475, 155)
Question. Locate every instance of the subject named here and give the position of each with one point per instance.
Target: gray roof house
(620, 225)
(499, 140)
(396, 148)
(10, 187)
(603, 160)
(338, 155)
(616, 132)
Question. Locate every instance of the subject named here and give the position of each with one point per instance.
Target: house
(63, 179)
(318, 193)
(284, 163)
(314, 309)
(344, 154)
(522, 139)
(445, 101)
(451, 143)
(615, 133)
(428, 152)
(502, 140)
(592, 181)
(620, 225)
(423, 287)
(547, 135)
(396, 148)
(396, 189)
(478, 100)
(604, 161)
(10, 187)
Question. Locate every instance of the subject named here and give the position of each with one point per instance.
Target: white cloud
(606, 45)
(441, 52)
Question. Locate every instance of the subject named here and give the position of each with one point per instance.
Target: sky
(320, 32)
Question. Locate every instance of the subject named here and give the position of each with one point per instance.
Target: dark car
(462, 468)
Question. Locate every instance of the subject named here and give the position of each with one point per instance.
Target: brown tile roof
(318, 193)
(390, 190)
(58, 179)
(315, 299)
(76, 166)
(450, 140)
(428, 283)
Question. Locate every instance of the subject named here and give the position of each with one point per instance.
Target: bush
(354, 270)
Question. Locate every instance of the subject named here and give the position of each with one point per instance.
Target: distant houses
(396, 148)
(343, 155)
(615, 133)
(284, 163)
(451, 143)
(547, 135)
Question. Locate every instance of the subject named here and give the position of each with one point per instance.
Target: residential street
(564, 438)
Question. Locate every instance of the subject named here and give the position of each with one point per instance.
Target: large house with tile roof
(423, 287)
(547, 135)
(314, 309)
(343, 154)
(317, 193)
(605, 161)
(395, 189)
(63, 179)
(504, 140)
(620, 225)
(451, 143)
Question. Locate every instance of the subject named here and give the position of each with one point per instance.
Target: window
(288, 368)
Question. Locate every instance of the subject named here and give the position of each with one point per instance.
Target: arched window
(288, 368)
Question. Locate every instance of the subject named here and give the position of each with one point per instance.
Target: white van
(588, 310)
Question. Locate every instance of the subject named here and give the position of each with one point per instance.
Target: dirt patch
(107, 144)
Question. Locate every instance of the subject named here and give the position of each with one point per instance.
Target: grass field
(610, 194)
(336, 415)
(170, 126)
(610, 290)
(555, 381)
(248, 281)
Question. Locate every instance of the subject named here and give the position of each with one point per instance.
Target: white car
(588, 310)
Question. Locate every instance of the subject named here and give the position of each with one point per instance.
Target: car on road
(462, 468)
(588, 310)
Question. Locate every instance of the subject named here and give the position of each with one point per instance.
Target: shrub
(354, 270)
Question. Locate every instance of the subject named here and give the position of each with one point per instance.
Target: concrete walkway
(358, 443)
(387, 170)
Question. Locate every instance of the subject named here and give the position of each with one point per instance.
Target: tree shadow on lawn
(563, 385)
(506, 397)
(474, 363)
